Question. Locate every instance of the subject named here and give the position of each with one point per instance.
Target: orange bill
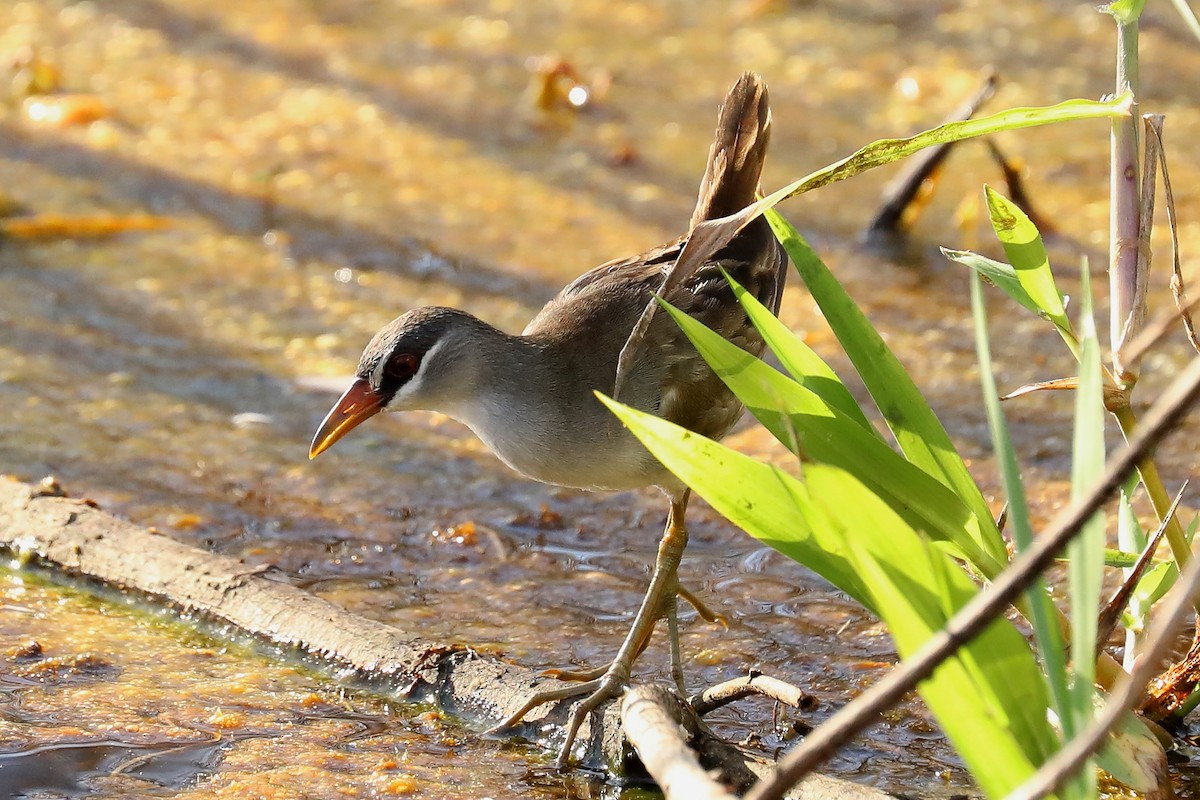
(359, 403)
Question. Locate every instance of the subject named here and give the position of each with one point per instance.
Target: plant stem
(1125, 206)
(1158, 494)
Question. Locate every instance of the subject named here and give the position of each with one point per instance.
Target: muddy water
(327, 166)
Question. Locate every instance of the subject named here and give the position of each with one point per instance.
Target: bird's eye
(401, 367)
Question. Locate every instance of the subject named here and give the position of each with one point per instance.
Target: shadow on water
(312, 237)
(68, 770)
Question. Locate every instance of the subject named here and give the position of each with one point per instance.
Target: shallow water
(327, 167)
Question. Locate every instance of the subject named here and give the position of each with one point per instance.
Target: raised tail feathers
(735, 160)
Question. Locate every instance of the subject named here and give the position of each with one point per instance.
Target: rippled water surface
(327, 166)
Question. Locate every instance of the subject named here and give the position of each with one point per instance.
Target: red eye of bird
(402, 366)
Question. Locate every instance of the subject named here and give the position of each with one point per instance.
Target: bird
(531, 397)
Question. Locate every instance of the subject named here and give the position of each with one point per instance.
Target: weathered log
(43, 528)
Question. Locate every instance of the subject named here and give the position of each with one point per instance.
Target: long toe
(576, 675)
(611, 686)
(541, 699)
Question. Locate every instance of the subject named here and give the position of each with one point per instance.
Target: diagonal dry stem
(988, 603)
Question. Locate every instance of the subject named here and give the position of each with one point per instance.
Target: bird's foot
(611, 683)
(541, 699)
(610, 686)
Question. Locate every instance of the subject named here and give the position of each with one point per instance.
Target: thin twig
(1154, 123)
(1112, 610)
(723, 694)
(989, 602)
(1159, 327)
(1128, 690)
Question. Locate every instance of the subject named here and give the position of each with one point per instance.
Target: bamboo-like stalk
(1125, 206)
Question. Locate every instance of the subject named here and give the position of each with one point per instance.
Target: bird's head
(421, 360)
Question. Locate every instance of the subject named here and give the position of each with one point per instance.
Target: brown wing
(603, 305)
(646, 266)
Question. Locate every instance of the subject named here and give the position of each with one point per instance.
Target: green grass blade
(920, 434)
(1027, 253)
(1041, 612)
(809, 425)
(996, 272)
(1085, 569)
(805, 366)
(885, 151)
(1188, 16)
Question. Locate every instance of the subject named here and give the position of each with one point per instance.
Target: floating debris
(65, 110)
(556, 84)
(84, 226)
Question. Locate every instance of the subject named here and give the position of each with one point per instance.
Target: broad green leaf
(805, 366)
(1157, 580)
(1041, 613)
(920, 435)
(1026, 252)
(763, 500)
(809, 425)
(990, 699)
(1153, 586)
(710, 236)
(1085, 552)
(997, 272)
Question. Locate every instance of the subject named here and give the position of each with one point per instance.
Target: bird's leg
(663, 587)
(707, 614)
(664, 584)
(676, 656)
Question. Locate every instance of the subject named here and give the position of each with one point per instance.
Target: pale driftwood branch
(731, 691)
(663, 720)
(652, 718)
(988, 603)
(73, 537)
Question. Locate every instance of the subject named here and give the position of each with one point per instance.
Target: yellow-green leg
(660, 597)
